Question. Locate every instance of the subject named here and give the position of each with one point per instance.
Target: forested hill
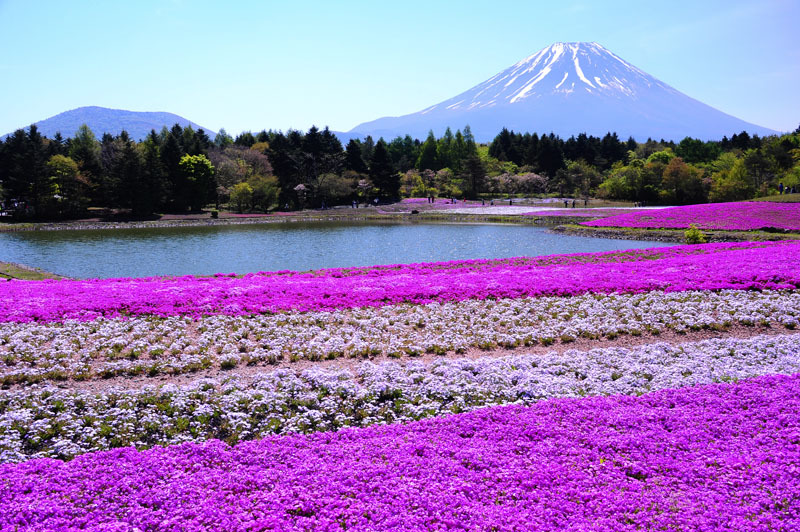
(102, 120)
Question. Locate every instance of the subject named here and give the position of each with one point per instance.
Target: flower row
(33, 352)
(722, 456)
(587, 213)
(736, 216)
(767, 265)
(54, 422)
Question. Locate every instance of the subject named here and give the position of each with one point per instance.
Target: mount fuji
(569, 88)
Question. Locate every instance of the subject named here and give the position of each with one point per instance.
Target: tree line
(183, 170)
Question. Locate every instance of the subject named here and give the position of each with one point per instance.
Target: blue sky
(264, 64)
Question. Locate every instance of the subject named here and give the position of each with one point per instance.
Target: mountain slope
(569, 88)
(102, 120)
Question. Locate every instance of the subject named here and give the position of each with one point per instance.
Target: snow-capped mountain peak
(569, 88)
(561, 68)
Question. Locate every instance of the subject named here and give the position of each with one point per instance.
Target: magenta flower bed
(766, 265)
(716, 457)
(738, 216)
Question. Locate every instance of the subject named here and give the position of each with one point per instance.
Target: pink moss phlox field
(714, 457)
(766, 265)
(736, 216)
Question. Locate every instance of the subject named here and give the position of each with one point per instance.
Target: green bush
(693, 235)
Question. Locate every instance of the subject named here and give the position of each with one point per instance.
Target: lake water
(282, 246)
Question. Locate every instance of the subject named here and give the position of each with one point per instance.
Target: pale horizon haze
(279, 65)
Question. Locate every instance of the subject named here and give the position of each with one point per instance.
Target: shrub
(693, 235)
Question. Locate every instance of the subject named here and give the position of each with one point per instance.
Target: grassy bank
(11, 270)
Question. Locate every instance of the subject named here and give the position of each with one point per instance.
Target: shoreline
(14, 270)
(303, 217)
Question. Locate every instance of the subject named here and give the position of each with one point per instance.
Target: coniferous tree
(85, 150)
(13, 163)
(222, 140)
(152, 184)
(353, 160)
(428, 156)
(171, 154)
(532, 150)
(474, 175)
(245, 139)
(36, 170)
(444, 149)
(459, 152)
(367, 147)
(551, 157)
(129, 172)
(381, 172)
(469, 140)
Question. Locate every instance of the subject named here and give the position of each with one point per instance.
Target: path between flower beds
(763, 265)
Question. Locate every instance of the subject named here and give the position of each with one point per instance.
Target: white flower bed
(42, 421)
(32, 352)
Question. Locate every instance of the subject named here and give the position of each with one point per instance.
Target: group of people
(787, 189)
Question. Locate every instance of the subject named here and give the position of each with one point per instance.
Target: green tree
(474, 176)
(444, 149)
(153, 183)
(662, 156)
(760, 168)
(381, 172)
(682, 183)
(353, 159)
(223, 140)
(67, 187)
(178, 189)
(428, 158)
(264, 192)
(198, 175)
(40, 190)
(731, 182)
(336, 189)
(550, 157)
(241, 196)
(84, 149)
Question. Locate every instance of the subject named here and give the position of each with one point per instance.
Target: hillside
(102, 120)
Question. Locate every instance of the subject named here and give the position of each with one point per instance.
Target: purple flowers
(768, 265)
(713, 457)
(737, 216)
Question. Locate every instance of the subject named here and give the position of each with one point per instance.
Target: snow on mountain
(569, 88)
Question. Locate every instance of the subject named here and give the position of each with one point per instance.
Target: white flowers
(32, 352)
(41, 421)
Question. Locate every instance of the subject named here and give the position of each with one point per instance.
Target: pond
(283, 246)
